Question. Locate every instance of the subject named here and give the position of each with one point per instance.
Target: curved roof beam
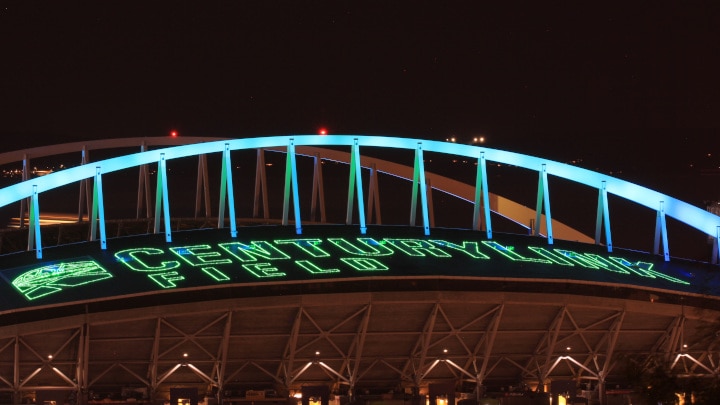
(663, 204)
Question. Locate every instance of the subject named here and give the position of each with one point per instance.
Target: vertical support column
(80, 365)
(543, 200)
(603, 218)
(16, 371)
(97, 217)
(223, 193)
(291, 181)
(419, 182)
(661, 231)
(482, 195)
(227, 190)
(25, 201)
(202, 191)
(260, 186)
(355, 184)
(143, 188)
(489, 341)
(223, 356)
(34, 239)
(84, 198)
(161, 199)
(318, 191)
(153, 366)
(373, 197)
(431, 205)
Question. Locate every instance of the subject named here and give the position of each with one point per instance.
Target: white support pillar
(489, 341)
(543, 200)
(430, 204)
(419, 182)
(603, 218)
(84, 198)
(143, 188)
(355, 186)
(25, 202)
(291, 182)
(318, 191)
(97, 217)
(34, 239)
(227, 191)
(661, 233)
(373, 204)
(161, 199)
(202, 189)
(260, 186)
(482, 198)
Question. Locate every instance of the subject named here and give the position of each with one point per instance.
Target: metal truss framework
(467, 339)
(30, 189)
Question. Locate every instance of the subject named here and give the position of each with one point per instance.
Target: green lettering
(592, 261)
(644, 269)
(262, 270)
(416, 247)
(194, 255)
(215, 274)
(509, 252)
(552, 257)
(471, 249)
(370, 247)
(313, 269)
(309, 246)
(253, 251)
(364, 264)
(132, 259)
(166, 280)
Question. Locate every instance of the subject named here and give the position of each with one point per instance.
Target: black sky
(609, 83)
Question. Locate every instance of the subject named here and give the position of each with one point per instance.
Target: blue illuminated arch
(662, 204)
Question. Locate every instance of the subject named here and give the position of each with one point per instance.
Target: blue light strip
(34, 224)
(161, 199)
(482, 194)
(661, 231)
(419, 185)
(291, 181)
(226, 188)
(695, 217)
(357, 171)
(603, 217)
(97, 218)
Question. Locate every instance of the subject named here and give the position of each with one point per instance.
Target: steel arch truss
(28, 191)
(391, 341)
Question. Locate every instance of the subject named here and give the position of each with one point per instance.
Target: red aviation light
(173, 134)
(322, 131)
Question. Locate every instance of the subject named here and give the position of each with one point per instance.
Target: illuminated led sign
(50, 279)
(243, 261)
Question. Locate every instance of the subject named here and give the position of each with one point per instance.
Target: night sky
(631, 89)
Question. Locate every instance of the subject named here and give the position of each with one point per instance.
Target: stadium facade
(328, 300)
